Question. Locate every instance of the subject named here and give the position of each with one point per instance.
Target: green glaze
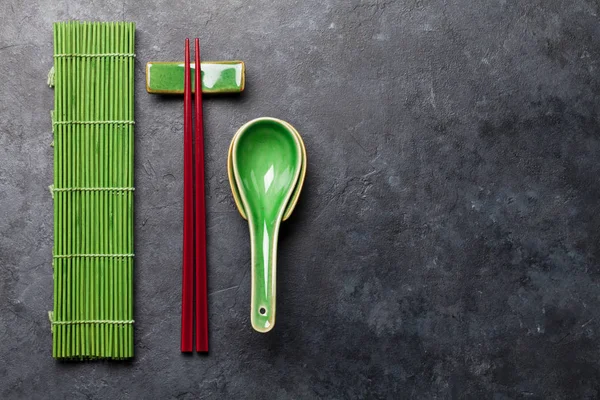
(293, 200)
(267, 158)
(217, 77)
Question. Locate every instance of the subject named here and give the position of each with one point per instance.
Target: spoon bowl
(266, 166)
(293, 200)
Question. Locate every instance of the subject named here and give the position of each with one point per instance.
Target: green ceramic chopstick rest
(266, 167)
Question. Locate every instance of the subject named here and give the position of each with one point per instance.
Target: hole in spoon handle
(263, 318)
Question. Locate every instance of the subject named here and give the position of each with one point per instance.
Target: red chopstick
(187, 290)
(201, 285)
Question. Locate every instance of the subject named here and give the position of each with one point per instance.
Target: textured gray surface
(446, 243)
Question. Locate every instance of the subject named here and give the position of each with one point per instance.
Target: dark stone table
(446, 243)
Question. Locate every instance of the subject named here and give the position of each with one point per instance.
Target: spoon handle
(263, 236)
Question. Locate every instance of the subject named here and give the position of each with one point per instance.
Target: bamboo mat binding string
(92, 255)
(53, 323)
(95, 55)
(92, 122)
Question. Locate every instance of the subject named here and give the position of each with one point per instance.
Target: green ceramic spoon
(267, 159)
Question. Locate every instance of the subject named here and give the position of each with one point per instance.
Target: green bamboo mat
(93, 121)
